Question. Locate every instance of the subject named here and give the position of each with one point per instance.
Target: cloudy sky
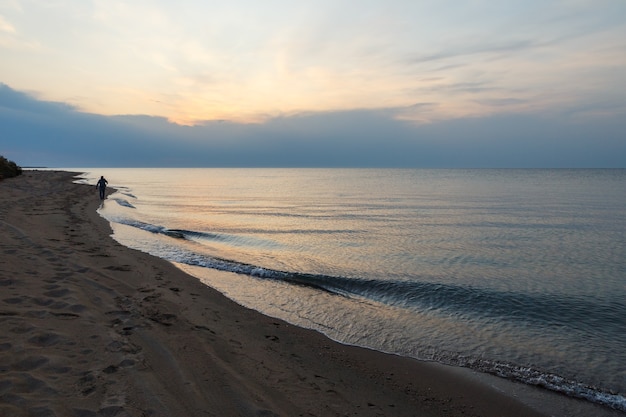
(424, 83)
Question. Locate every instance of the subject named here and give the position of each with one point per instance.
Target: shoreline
(90, 327)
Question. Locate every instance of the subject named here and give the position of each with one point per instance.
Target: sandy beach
(89, 327)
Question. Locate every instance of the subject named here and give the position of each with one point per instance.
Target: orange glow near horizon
(205, 63)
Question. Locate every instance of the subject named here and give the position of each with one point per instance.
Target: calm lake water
(519, 273)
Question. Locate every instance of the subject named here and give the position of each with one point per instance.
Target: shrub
(8, 168)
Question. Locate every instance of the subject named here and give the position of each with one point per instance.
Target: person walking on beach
(102, 186)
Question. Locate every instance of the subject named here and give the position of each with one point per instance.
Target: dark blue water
(520, 273)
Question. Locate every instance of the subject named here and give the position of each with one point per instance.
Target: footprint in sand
(45, 339)
(57, 293)
(29, 363)
(15, 300)
(124, 268)
(22, 329)
(126, 347)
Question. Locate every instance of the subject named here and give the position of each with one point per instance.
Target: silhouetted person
(102, 186)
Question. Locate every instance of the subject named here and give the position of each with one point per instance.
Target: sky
(397, 83)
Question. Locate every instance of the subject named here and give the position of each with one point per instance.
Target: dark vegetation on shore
(8, 168)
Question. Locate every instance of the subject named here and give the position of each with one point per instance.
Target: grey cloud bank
(40, 133)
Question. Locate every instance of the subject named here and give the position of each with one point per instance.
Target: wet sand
(91, 328)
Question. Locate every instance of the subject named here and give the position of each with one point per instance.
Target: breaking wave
(452, 300)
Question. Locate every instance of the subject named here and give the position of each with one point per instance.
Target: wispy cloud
(249, 61)
(490, 50)
(5, 26)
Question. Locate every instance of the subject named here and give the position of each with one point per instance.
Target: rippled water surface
(521, 273)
